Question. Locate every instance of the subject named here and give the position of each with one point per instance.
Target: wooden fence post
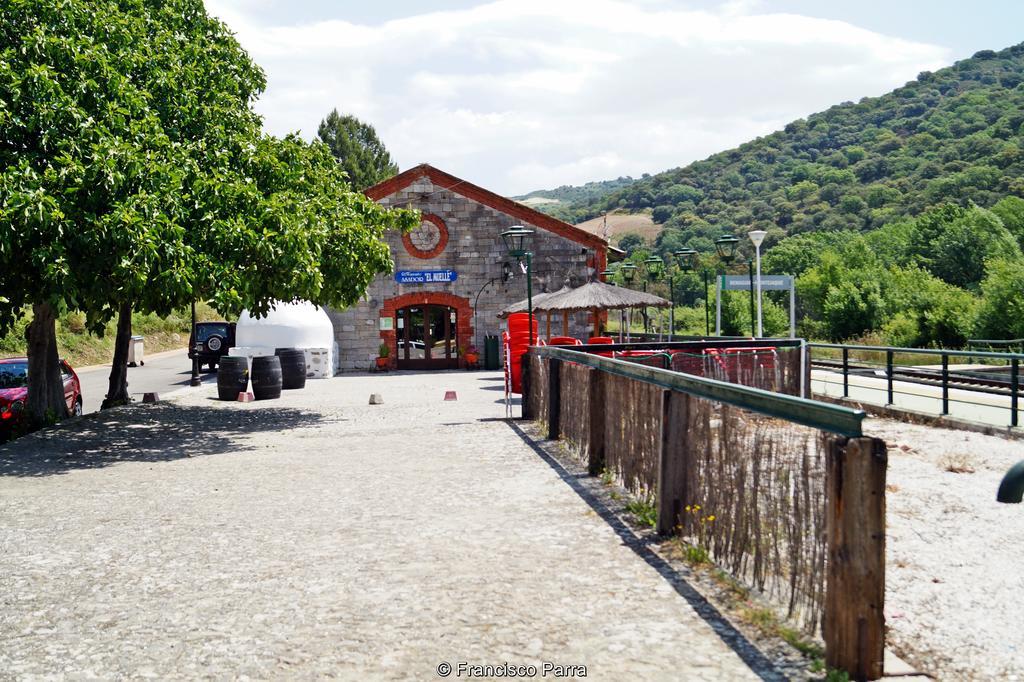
(854, 625)
(554, 398)
(595, 443)
(524, 401)
(673, 460)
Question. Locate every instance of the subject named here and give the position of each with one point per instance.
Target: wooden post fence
(854, 628)
(554, 398)
(651, 447)
(595, 444)
(673, 460)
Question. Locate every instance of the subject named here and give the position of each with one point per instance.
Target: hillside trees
(953, 243)
(1001, 314)
(358, 150)
(134, 176)
(955, 135)
(914, 282)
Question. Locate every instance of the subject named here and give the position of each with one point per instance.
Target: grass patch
(82, 348)
(957, 463)
(644, 511)
(696, 555)
(738, 596)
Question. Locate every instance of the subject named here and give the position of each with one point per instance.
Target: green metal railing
(824, 416)
(1008, 345)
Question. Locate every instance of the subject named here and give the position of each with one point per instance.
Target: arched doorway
(427, 337)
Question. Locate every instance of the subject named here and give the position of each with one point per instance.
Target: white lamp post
(757, 236)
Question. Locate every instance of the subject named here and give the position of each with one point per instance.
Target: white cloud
(524, 94)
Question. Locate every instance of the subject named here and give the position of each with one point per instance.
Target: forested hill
(902, 216)
(561, 202)
(952, 135)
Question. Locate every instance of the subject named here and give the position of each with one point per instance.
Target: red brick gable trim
(463, 325)
(434, 252)
(488, 198)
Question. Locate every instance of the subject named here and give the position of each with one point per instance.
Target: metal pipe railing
(1013, 359)
(922, 351)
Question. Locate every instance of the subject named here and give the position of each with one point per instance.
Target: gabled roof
(487, 198)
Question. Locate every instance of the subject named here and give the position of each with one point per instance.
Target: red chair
(654, 358)
(602, 340)
(564, 341)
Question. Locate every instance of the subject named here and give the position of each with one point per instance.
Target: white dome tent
(289, 325)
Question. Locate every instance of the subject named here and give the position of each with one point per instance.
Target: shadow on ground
(759, 664)
(158, 432)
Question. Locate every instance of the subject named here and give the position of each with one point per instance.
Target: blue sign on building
(425, 276)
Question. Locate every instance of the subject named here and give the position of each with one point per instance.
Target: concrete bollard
(376, 399)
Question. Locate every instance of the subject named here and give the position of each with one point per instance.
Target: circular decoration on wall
(429, 239)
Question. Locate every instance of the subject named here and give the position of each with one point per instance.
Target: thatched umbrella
(522, 306)
(596, 297)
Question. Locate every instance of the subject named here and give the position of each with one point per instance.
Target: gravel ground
(955, 557)
(319, 536)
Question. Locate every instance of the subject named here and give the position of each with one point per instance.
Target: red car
(14, 390)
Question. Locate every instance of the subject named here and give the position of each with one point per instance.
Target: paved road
(161, 374)
(317, 536)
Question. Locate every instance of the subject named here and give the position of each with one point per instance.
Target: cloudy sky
(518, 95)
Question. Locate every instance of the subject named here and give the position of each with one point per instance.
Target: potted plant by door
(472, 356)
(383, 357)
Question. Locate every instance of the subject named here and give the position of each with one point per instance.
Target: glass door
(427, 337)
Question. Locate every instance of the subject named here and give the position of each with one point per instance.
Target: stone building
(453, 274)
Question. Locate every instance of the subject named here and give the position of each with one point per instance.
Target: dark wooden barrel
(293, 367)
(232, 377)
(266, 377)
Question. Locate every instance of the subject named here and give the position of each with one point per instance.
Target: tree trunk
(117, 389)
(45, 403)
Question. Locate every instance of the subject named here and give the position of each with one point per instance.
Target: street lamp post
(517, 241)
(653, 267)
(757, 236)
(688, 262)
(628, 271)
(607, 275)
(726, 248)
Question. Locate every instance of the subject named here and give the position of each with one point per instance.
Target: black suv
(214, 340)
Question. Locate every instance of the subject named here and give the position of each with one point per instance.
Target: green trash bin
(491, 352)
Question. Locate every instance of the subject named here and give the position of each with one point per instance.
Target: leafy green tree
(661, 213)
(941, 314)
(1011, 211)
(358, 149)
(1001, 314)
(953, 243)
(852, 308)
(134, 176)
(630, 242)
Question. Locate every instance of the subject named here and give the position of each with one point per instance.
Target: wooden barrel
(266, 377)
(293, 367)
(232, 377)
